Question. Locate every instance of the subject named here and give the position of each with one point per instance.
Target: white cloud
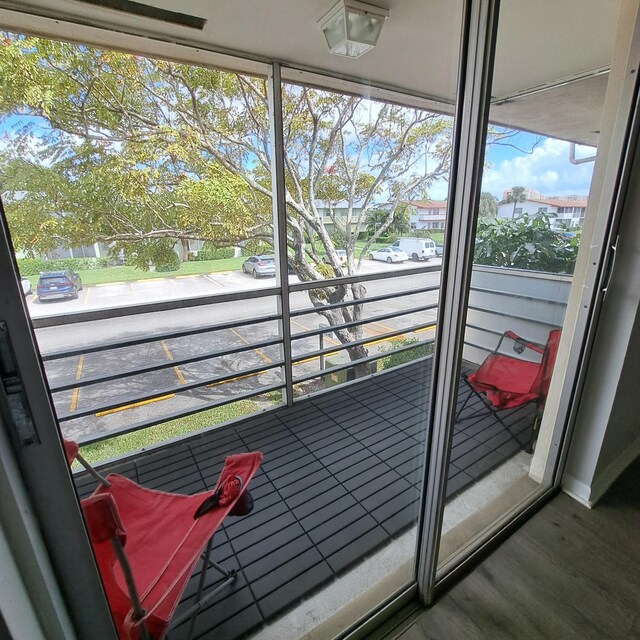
(547, 170)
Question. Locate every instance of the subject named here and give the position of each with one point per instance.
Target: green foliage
(488, 205)
(517, 195)
(338, 238)
(33, 266)
(257, 248)
(121, 445)
(421, 350)
(526, 242)
(222, 253)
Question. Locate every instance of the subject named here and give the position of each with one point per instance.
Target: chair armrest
(103, 519)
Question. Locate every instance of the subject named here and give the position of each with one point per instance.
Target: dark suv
(58, 284)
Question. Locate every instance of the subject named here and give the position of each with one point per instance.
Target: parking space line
(335, 343)
(211, 279)
(73, 405)
(132, 289)
(169, 355)
(266, 358)
(87, 294)
(133, 405)
(31, 299)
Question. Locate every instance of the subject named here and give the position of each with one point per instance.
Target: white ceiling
(541, 42)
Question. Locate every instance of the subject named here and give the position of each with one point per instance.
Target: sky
(527, 160)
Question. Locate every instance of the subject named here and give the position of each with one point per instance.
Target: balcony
(339, 481)
(343, 466)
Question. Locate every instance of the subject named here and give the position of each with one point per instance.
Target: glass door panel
(547, 96)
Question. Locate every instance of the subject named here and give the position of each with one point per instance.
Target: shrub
(338, 239)
(214, 254)
(33, 266)
(395, 359)
(526, 242)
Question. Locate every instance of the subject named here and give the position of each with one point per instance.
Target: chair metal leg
(192, 612)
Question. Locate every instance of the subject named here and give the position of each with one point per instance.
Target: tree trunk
(185, 249)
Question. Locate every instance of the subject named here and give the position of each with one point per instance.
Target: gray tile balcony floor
(340, 477)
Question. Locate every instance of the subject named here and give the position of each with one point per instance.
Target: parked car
(259, 266)
(26, 286)
(342, 256)
(439, 250)
(58, 284)
(389, 254)
(417, 248)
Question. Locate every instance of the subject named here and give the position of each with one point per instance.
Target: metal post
(278, 190)
(321, 325)
(472, 111)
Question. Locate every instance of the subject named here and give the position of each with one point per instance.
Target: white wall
(607, 433)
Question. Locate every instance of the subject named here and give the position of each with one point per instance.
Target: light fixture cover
(352, 28)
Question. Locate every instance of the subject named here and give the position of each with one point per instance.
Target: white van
(417, 248)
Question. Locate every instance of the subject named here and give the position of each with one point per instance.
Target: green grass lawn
(121, 445)
(128, 274)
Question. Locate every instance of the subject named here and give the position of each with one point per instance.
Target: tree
(488, 205)
(528, 242)
(516, 195)
(140, 153)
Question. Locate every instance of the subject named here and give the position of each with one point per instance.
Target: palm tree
(516, 195)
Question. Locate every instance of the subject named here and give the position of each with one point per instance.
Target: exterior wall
(506, 210)
(529, 303)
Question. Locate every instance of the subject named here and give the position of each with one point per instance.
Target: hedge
(214, 254)
(34, 266)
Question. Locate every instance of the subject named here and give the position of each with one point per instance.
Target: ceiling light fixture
(352, 28)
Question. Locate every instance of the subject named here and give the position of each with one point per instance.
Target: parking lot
(121, 294)
(185, 386)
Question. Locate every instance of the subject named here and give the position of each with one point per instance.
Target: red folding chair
(147, 543)
(504, 381)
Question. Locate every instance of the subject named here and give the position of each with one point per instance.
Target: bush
(396, 359)
(338, 238)
(214, 254)
(33, 266)
(526, 242)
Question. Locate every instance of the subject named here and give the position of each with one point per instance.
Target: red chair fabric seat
(507, 382)
(163, 541)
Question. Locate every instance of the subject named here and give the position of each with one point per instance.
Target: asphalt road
(165, 385)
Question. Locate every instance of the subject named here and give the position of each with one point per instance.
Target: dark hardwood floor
(569, 572)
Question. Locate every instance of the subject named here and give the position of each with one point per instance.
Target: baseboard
(588, 495)
(609, 475)
(577, 490)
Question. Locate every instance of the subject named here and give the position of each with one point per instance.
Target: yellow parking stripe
(265, 357)
(134, 404)
(169, 355)
(166, 350)
(87, 294)
(79, 367)
(335, 343)
(73, 405)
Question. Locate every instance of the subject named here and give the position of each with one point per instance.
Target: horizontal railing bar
(502, 314)
(363, 277)
(354, 323)
(143, 424)
(167, 390)
(484, 329)
(349, 303)
(510, 294)
(133, 342)
(77, 384)
(370, 376)
(151, 307)
(359, 361)
(363, 341)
